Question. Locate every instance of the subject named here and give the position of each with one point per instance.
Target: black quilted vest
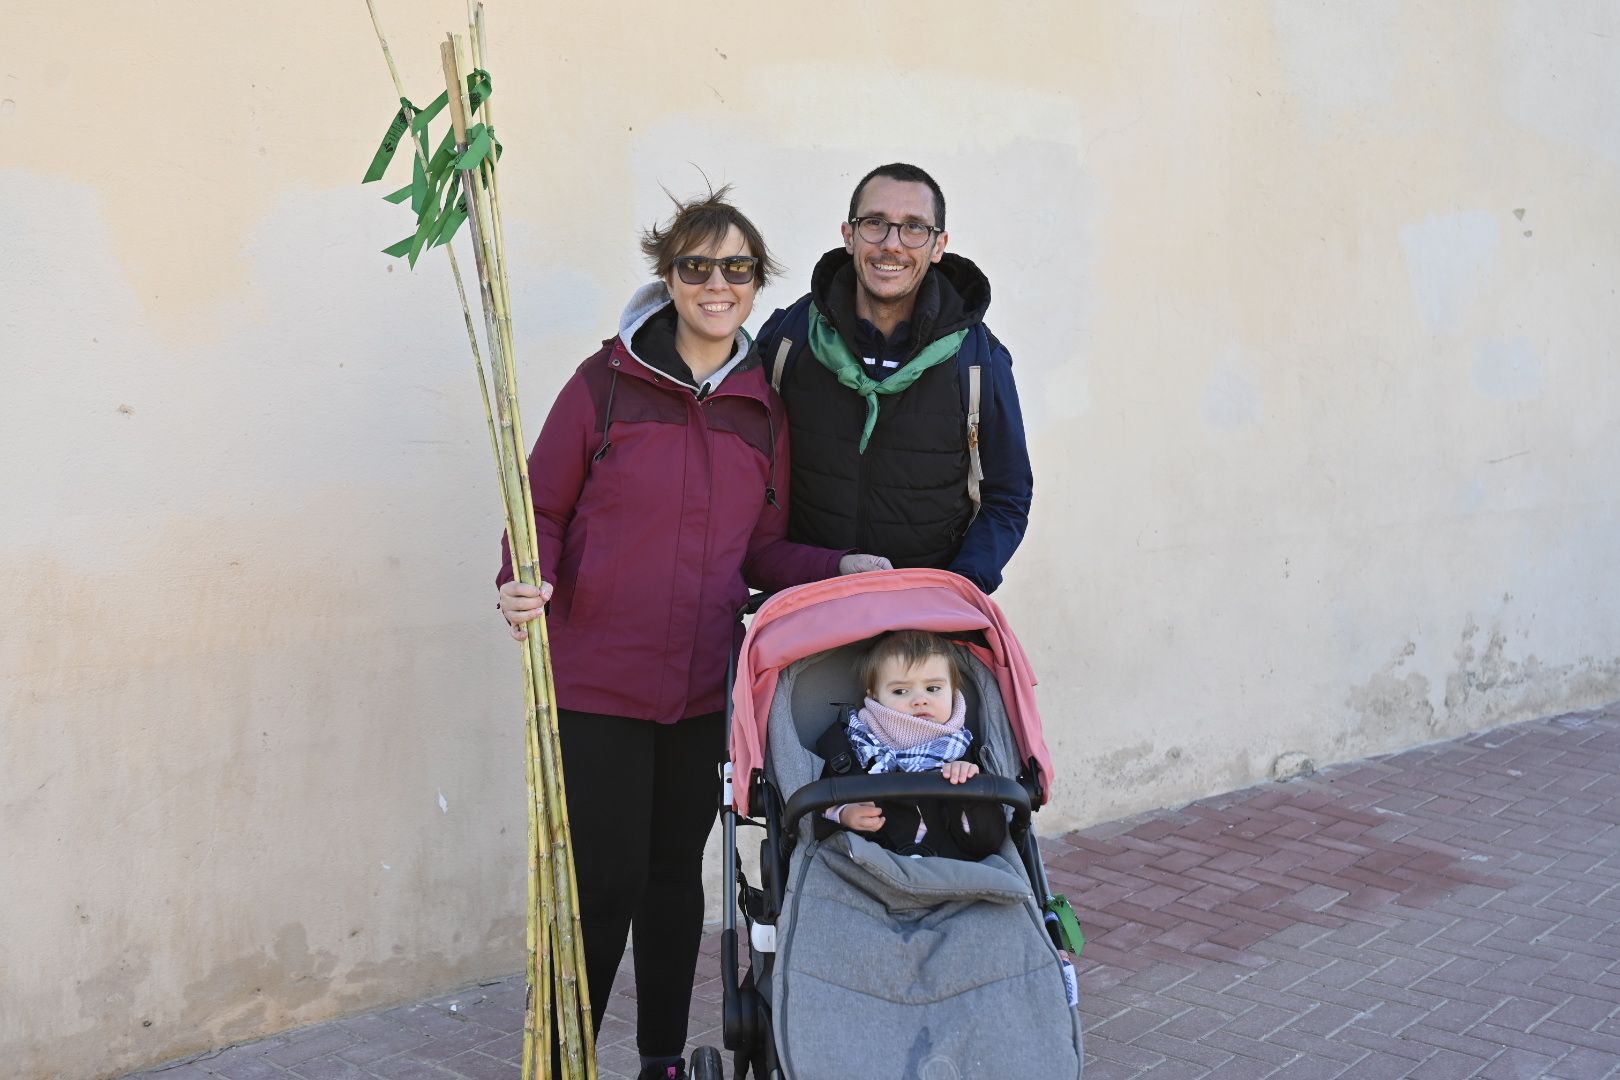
(906, 497)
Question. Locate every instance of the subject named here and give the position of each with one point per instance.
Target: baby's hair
(909, 648)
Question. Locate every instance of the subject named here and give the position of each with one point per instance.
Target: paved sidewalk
(1453, 911)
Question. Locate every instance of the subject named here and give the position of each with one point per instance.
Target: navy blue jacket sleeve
(1008, 483)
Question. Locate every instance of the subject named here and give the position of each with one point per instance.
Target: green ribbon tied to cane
(437, 203)
(837, 357)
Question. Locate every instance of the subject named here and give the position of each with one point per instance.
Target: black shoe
(663, 1072)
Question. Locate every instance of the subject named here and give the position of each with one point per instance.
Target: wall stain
(129, 1021)
(1486, 688)
(1136, 764)
(1392, 701)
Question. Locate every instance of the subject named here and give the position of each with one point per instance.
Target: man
(882, 365)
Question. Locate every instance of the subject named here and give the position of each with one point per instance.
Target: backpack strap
(793, 334)
(780, 366)
(978, 349)
(975, 466)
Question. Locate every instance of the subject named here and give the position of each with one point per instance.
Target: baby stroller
(863, 963)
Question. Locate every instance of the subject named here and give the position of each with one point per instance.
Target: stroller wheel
(706, 1064)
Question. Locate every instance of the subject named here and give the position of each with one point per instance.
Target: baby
(914, 720)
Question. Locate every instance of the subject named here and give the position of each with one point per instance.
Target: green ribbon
(1068, 923)
(837, 357)
(435, 199)
(435, 227)
(479, 87)
(434, 196)
(478, 91)
(479, 141)
(426, 200)
(420, 122)
(390, 141)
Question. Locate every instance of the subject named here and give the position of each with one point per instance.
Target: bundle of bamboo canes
(558, 992)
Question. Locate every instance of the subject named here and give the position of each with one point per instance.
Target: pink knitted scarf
(902, 731)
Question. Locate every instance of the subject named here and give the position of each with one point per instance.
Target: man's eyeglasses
(875, 230)
(696, 269)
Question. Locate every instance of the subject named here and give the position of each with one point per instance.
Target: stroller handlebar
(836, 790)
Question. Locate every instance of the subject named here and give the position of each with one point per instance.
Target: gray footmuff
(931, 968)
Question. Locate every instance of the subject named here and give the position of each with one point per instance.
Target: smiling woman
(660, 494)
(713, 261)
(709, 305)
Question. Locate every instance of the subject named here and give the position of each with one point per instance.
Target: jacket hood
(648, 301)
(954, 295)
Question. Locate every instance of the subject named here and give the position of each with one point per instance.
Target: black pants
(642, 798)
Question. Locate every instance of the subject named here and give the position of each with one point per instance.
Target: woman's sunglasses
(695, 269)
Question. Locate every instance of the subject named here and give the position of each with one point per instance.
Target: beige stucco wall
(1314, 313)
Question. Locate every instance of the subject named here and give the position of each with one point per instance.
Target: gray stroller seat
(888, 966)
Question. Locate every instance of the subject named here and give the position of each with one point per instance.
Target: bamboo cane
(536, 1031)
(546, 735)
(558, 988)
(492, 175)
(537, 962)
(556, 960)
(567, 885)
(419, 147)
(566, 957)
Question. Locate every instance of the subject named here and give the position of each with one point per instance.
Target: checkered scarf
(888, 741)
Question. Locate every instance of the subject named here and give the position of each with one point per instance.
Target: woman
(660, 494)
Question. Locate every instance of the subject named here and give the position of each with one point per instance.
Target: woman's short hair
(909, 648)
(700, 223)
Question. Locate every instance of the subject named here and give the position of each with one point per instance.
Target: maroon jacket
(652, 544)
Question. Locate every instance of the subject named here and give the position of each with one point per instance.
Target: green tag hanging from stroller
(1063, 925)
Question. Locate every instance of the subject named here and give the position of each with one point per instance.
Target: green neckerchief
(838, 358)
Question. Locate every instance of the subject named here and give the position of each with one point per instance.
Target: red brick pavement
(1452, 911)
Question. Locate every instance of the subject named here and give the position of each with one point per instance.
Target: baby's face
(923, 691)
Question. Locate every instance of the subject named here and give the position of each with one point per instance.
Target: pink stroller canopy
(812, 618)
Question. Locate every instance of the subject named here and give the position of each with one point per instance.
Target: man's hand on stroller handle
(861, 563)
(522, 603)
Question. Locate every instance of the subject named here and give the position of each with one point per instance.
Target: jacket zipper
(861, 541)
